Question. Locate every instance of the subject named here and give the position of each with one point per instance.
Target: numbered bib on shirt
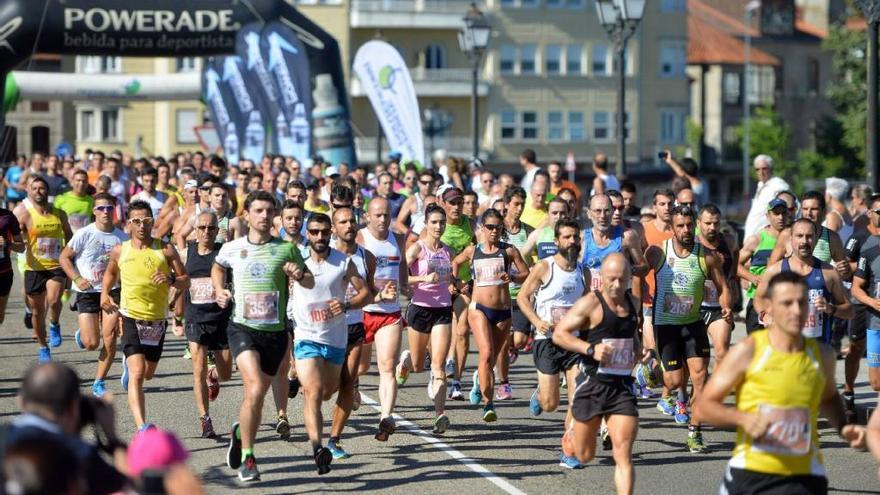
(487, 271)
(788, 432)
(201, 291)
(710, 293)
(48, 248)
(595, 279)
(319, 312)
(622, 357)
(261, 308)
(442, 267)
(150, 332)
(812, 328)
(557, 313)
(678, 305)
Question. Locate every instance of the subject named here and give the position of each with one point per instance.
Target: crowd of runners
(296, 274)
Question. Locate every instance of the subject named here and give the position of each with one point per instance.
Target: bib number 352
(261, 307)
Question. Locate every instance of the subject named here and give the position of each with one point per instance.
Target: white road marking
(446, 449)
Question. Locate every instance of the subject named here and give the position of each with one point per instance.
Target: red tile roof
(713, 38)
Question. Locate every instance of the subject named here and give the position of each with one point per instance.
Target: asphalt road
(517, 454)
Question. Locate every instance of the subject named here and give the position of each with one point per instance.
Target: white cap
(440, 154)
(330, 171)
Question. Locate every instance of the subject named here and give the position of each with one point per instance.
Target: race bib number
(595, 279)
(621, 361)
(48, 248)
(380, 283)
(442, 267)
(557, 313)
(815, 320)
(261, 308)
(150, 332)
(201, 291)
(488, 271)
(319, 312)
(678, 305)
(710, 293)
(77, 222)
(788, 433)
(97, 275)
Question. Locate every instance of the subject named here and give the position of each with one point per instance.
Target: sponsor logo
(150, 21)
(7, 30)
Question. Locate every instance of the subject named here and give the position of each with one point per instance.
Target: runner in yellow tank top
(46, 232)
(147, 268)
(783, 381)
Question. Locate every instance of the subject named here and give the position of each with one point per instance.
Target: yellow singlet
(140, 298)
(787, 387)
(45, 239)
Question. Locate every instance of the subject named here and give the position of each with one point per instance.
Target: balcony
(454, 146)
(426, 14)
(436, 83)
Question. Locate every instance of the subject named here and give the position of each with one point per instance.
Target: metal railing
(425, 6)
(440, 75)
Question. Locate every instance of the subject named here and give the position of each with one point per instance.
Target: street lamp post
(473, 38)
(871, 9)
(750, 9)
(436, 122)
(620, 18)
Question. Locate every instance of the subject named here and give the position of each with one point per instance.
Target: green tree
(769, 135)
(848, 96)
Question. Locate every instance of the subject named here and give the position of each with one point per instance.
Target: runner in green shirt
(77, 203)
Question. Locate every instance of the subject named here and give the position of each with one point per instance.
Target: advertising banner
(221, 113)
(250, 126)
(260, 83)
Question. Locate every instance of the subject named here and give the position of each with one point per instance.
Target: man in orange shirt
(554, 170)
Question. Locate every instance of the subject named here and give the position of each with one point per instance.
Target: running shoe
(450, 367)
(293, 388)
(99, 388)
(569, 462)
(849, 406)
(336, 449)
(146, 426)
(489, 415)
(233, 452)
(404, 367)
(695, 442)
(28, 320)
(666, 405)
(323, 458)
(124, 378)
(606, 439)
(568, 443)
(512, 355)
(535, 404)
(681, 413)
(431, 393)
(77, 337)
(529, 344)
(441, 424)
(282, 427)
(207, 427)
(212, 361)
(563, 382)
(504, 392)
(65, 296)
(386, 429)
(356, 400)
(213, 384)
(455, 391)
(187, 354)
(45, 355)
(645, 376)
(247, 470)
(476, 396)
(54, 334)
(643, 392)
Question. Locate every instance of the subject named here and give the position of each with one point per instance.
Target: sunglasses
(104, 208)
(456, 201)
(321, 232)
(339, 205)
(140, 221)
(205, 188)
(207, 227)
(492, 226)
(426, 182)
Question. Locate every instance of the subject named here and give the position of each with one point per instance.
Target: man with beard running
(84, 261)
(724, 247)
(551, 289)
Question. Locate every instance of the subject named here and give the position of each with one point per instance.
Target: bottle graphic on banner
(230, 145)
(330, 122)
(286, 146)
(254, 138)
(299, 128)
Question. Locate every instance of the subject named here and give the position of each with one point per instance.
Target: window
(761, 84)
(110, 125)
(601, 126)
(529, 125)
(672, 6)
(87, 126)
(730, 144)
(731, 88)
(552, 59)
(186, 121)
(553, 4)
(576, 130)
(573, 59)
(527, 54)
(672, 126)
(508, 125)
(813, 75)
(186, 64)
(508, 59)
(555, 126)
(600, 60)
(435, 56)
(39, 106)
(97, 65)
(97, 125)
(673, 58)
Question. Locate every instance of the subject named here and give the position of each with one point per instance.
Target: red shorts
(373, 322)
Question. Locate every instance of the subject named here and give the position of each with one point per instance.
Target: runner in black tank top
(724, 247)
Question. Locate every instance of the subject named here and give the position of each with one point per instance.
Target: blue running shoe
(98, 388)
(476, 396)
(146, 426)
(124, 377)
(681, 413)
(645, 376)
(569, 462)
(666, 405)
(54, 334)
(337, 451)
(45, 355)
(535, 404)
(644, 392)
(78, 338)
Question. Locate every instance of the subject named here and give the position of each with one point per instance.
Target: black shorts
(710, 315)
(676, 343)
(752, 322)
(131, 342)
(422, 318)
(6, 283)
(743, 482)
(212, 335)
(550, 359)
(289, 326)
(596, 396)
(518, 320)
(90, 302)
(270, 346)
(356, 335)
(858, 326)
(35, 281)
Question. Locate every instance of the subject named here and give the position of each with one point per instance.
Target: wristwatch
(590, 350)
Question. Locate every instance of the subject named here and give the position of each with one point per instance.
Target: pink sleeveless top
(434, 295)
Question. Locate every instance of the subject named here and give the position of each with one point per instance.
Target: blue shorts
(306, 349)
(873, 348)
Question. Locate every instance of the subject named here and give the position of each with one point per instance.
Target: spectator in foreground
(157, 464)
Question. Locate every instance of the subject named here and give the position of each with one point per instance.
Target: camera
(662, 155)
